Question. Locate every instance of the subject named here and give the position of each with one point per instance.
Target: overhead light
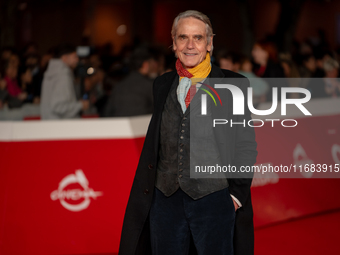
(90, 70)
(121, 30)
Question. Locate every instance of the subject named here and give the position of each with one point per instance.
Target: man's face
(190, 43)
(71, 59)
(260, 55)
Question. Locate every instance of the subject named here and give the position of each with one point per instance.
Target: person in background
(320, 57)
(266, 60)
(157, 62)
(229, 61)
(95, 61)
(6, 53)
(30, 48)
(14, 95)
(45, 58)
(289, 67)
(259, 85)
(332, 85)
(92, 88)
(14, 60)
(101, 82)
(308, 67)
(133, 95)
(26, 83)
(292, 73)
(33, 72)
(329, 86)
(266, 66)
(3, 92)
(58, 97)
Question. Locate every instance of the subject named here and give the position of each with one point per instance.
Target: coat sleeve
(245, 153)
(64, 102)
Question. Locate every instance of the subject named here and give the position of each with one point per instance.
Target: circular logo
(75, 194)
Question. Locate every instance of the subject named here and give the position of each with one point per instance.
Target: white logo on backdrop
(301, 158)
(335, 152)
(75, 194)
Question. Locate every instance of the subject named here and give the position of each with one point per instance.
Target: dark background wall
(237, 23)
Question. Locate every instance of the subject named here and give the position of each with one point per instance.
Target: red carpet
(318, 234)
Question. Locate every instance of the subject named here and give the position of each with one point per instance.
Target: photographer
(58, 97)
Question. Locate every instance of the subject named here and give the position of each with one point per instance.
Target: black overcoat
(238, 149)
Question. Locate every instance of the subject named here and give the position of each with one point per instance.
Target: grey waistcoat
(173, 168)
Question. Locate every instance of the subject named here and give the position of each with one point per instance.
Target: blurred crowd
(311, 66)
(69, 82)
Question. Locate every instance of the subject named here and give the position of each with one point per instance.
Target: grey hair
(197, 15)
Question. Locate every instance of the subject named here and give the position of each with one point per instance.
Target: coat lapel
(164, 90)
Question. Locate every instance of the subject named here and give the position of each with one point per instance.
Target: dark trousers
(210, 220)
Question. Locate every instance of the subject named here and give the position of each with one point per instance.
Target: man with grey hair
(169, 212)
(58, 96)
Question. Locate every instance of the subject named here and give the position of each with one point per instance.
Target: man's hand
(86, 104)
(235, 204)
(22, 96)
(36, 100)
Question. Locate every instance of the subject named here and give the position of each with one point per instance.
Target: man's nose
(190, 44)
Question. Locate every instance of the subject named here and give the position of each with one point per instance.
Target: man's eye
(182, 38)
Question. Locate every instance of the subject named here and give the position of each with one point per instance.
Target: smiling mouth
(190, 54)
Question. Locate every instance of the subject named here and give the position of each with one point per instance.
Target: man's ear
(145, 68)
(174, 47)
(210, 44)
